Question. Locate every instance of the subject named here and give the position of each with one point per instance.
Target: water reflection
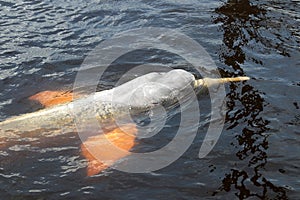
(240, 20)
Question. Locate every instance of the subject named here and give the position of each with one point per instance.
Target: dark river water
(43, 44)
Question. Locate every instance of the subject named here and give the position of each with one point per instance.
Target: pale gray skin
(136, 96)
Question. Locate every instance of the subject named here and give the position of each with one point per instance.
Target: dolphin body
(94, 117)
(136, 96)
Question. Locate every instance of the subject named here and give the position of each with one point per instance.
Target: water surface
(43, 43)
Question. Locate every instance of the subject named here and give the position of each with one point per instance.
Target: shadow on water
(239, 21)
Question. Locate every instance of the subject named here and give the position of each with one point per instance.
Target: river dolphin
(135, 96)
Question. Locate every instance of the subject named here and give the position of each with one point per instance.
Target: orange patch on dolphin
(92, 149)
(50, 98)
